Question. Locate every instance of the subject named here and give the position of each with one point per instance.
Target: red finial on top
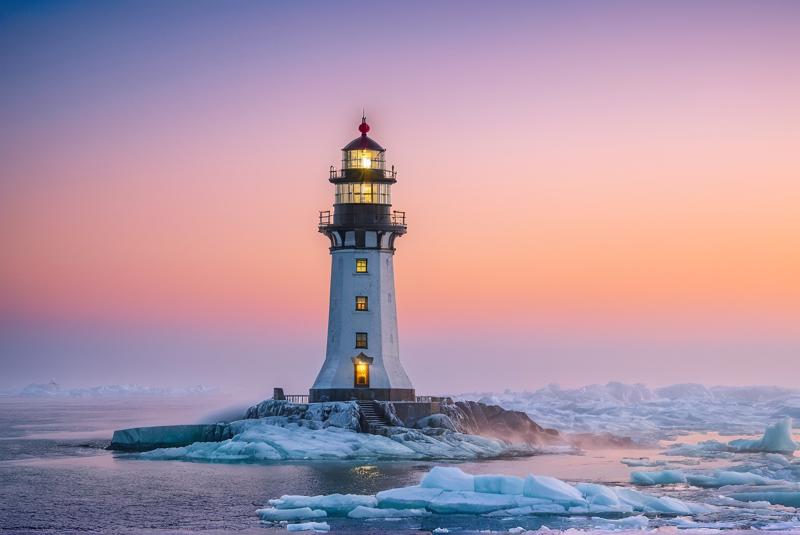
(363, 127)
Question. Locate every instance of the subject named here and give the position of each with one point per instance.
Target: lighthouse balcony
(376, 173)
(394, 220)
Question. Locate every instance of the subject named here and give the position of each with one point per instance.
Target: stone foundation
(317, 395)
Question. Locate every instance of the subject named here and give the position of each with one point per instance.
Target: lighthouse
(362, 359)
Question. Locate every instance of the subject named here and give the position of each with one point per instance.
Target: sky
(595, 191)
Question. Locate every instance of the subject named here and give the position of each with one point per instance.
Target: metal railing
(432, 399)
(342, 173)
(397, 217)
(297, 398)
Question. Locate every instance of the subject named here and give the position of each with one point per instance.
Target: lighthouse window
(361, 303)
(361, 340)
(362, 193)
(361, 265)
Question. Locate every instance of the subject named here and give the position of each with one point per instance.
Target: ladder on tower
(376, 422)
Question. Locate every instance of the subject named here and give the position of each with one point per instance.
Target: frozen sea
(55, 476)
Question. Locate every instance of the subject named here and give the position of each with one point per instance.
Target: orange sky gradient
(618, 183)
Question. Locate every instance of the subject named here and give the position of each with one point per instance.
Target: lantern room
(363, 152)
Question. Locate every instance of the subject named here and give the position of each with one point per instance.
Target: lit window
(361, 265)
(362, 374)
(361, 340)
(361, 302)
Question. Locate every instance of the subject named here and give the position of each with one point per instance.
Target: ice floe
(309, 526)
(777, 438)
(448, 490)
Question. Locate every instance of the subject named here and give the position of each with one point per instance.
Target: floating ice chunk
(552, 489)
(596, 494)
(648, 504)
(498, 484)
(374, 512)
(407, 497)
(777, 439)
(517, 529)
(277, 515)
(664, 477)
(309, 526)
(471, 503)
(642, 461)
(789, 525)
(332, 504)
(631, 522)
(788, 497)
(722, 478)
(441, 530)
(448, 478)
(541, 494)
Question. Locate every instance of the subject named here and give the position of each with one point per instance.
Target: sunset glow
(623, 204)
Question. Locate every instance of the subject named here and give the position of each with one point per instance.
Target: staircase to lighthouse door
(376, 422)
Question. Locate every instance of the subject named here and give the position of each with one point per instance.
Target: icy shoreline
(278, 431)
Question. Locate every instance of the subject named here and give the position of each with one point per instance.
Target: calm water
(55, 476)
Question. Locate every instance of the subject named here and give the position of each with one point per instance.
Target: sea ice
(789, 497)
(552, 489)
(777, 439)
(499, 484)
(541, 495)
(302, 513)
(332, 504)
(664, 477)
(448, 478)
(309, 526)
(375, 512)
(407, 497)
(646, 414)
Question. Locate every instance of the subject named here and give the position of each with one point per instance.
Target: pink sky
(593, 192)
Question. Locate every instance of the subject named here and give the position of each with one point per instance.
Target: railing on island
(296, 398)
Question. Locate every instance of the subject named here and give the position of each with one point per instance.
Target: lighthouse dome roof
(363, 143)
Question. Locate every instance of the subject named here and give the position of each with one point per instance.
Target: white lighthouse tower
(362, 360)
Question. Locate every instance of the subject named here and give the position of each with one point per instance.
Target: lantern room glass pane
(363, 159)
(363, 193)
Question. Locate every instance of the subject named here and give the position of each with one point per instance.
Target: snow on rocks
(275, 438)
(448, 490)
